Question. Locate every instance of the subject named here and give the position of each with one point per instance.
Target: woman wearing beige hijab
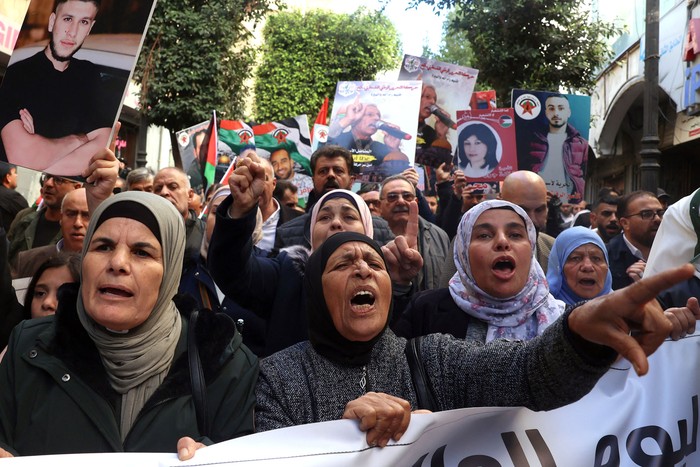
(110, 371)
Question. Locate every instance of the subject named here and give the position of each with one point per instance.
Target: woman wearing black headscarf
(355, 367)
(109, 371)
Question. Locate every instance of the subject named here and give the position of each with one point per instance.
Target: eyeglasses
(406, 195)
(372, 202)
(57, 180)
(648, 214)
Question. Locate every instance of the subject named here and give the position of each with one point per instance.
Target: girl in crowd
(41, 298)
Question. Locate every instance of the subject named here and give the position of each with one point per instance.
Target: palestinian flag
(207, 152)
(291, 134)
(319, 134)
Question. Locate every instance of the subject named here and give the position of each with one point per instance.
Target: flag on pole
(229, 171)
(319, 132)
(208, 152)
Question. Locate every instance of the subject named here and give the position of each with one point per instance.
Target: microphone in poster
(392, 130)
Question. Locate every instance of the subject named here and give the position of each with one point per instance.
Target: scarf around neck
(520, 317)
(138, 360)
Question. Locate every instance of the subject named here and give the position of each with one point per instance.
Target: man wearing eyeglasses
(75, 218)
(396, 195)
(639, 214)
(41, 227)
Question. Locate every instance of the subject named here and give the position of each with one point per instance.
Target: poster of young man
(486, 150)
(552, 136)
(446, 90)
(375, 120)
(67, 77)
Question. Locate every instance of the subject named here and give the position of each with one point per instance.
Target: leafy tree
(196, 58)
(305, 55)
(532, 44)
(454, 48)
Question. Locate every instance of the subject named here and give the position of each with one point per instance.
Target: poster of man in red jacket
(551, 132)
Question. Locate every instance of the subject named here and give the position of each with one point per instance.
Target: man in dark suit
(11, 202)
(640, 214)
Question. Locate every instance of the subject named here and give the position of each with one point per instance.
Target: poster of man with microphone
(375, 121)
(446, 89)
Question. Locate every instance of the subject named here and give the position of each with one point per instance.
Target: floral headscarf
(523, 316)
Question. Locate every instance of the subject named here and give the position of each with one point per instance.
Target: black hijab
(324, 337)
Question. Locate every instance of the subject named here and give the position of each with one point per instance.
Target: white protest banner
(120, 459)
(625, 421)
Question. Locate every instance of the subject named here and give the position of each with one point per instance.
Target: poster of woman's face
(478, 149)
(485, 149)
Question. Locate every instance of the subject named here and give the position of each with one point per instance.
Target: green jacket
(22, 233)
(55, 397)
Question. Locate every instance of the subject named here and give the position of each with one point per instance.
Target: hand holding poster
(552, 132)
(61, 95)
(375, 121)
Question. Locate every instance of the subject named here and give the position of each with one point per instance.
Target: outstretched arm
(630, 320)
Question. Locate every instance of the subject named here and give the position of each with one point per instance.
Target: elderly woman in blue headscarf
(578, 266)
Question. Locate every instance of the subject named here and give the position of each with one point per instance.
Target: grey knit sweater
(298, 386)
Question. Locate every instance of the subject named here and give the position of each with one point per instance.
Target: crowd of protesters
(510, 275)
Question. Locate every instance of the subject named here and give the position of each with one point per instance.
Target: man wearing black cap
(663, 197)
